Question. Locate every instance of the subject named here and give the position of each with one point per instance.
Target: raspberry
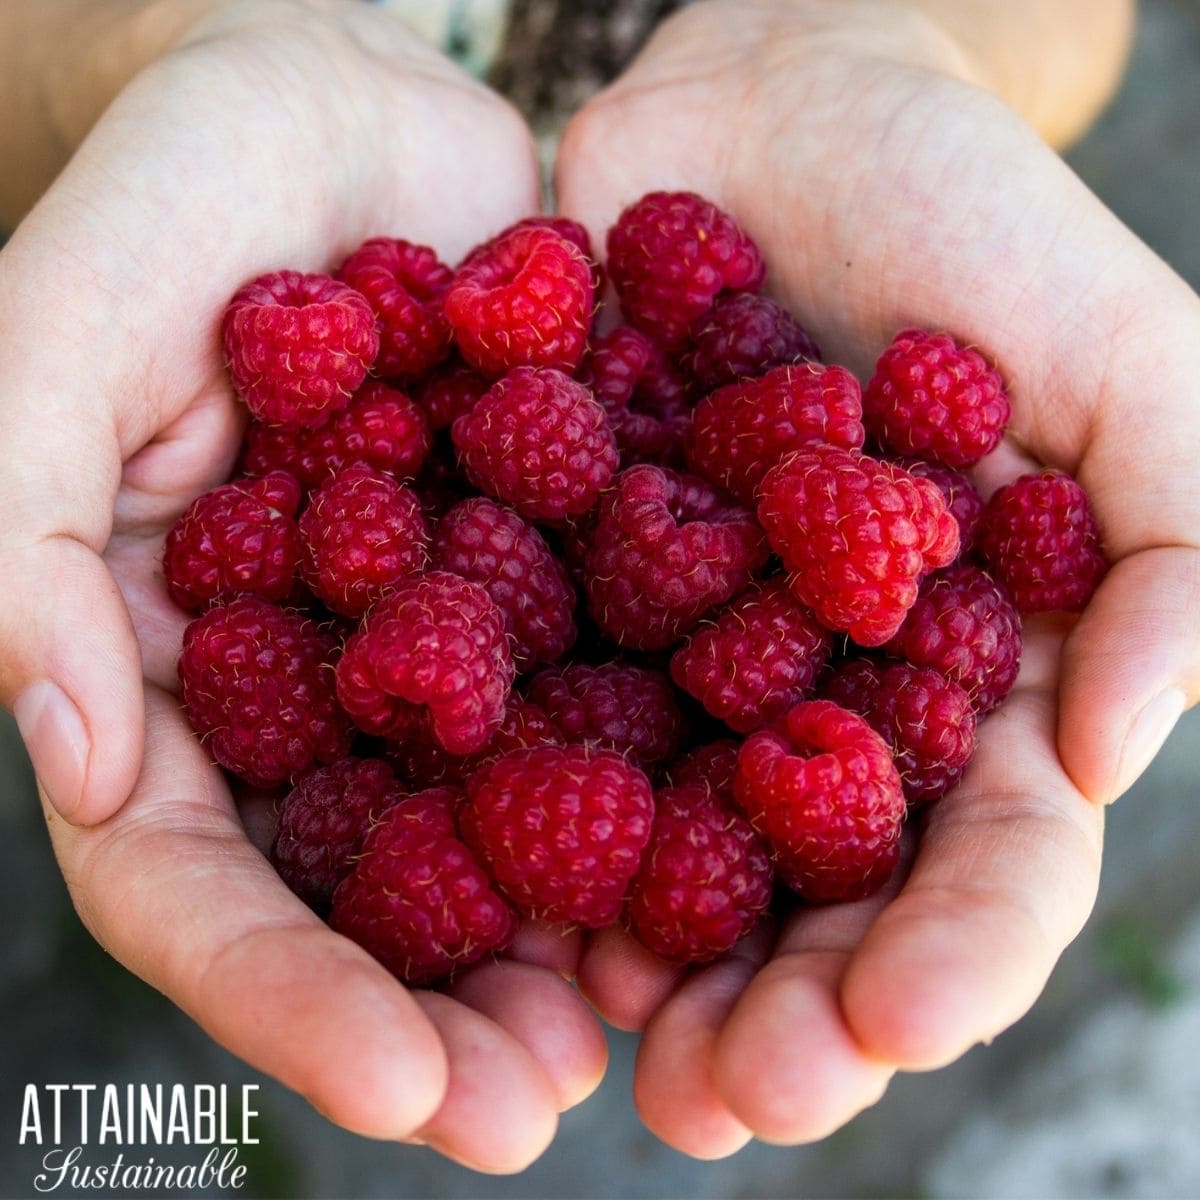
(322, 821)
(926, 719)
(449, 392)
(522, 300)
(567, 229)
(258, 688)
(1039, 537)
(821, 785)
(962, 499)
(298, 346)
(705, 878)
(561, 830)
(652, 433)
(417, 900)
(362, 533)
(741, 431)
(433, 648)
(964, 625)
(615, 363)
(238, 539)
(405, 284)
(666, 549)
(631, 710)
(492, 546)
(935, 398)
(670, 255)
(760, 656)
(744, 336)
(711, 765)
(857, 535)
(538, 441)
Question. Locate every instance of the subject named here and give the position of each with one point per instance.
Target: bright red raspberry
(571, 231)
(538, 441)
(615, 363)
(744, 336)
(298, 346)
(449, 392)
(961, 496)
(239, 539)
(258, 687)
(741, 431)
(322, 821)
(759, 656)
(935, 398)
(705, 878)
(433, 648)
(561, 830)
(964, 625)
(417, 899)
(857, 534)
(491, 545)
(670, 255)
(1039, 537)
(631, 710)
(711, 765)
(666, 549)
(821, 785)
(523, 300)
(362, 533)
(926, 719)
(405, 284)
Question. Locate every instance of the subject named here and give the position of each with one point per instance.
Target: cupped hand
(272, 136)
(886, 190)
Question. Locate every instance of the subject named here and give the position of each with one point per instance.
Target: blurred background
(1095, 1094)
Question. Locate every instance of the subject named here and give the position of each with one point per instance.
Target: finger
(624, 980)
(551, 946)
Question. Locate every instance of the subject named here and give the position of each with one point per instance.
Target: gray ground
(1095, 1093)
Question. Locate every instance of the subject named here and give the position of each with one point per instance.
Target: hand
(887, 190)
(271, 136)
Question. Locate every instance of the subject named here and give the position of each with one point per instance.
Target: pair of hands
(885, 190)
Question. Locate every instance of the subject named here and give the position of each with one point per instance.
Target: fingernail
(1146, 735)
(57, 741)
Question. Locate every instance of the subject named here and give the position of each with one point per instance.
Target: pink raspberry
(711, 765)
(857, 534)
(1039, 537)
(821, 785)
(238, 539)
(935, 398)
(433, 648)
(744, 336)
(449, 392)
(538, 441)
(759, 656)
(417, 900)
(561, 830)
(962, 499)
(670, 255)
(705, 878)
(258, 688)
(741, 431)
(298, 346)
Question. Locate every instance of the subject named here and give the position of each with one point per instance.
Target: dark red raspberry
(935, 398)
(631, 710)
(405, 284)
(434, 648)
(670, 255)
(524, 300)
(491, 545)
(322, 822)
(449, 392)
(614, 364)
(1039, 537)
(711, 765)
(238, 539)
(926, 719)
(741, 431)
(298, 346)
(962, 499)
(417, 900)
(964, 625)
(666, 549)
(663, 385)
(648, 432)
(821, 785)
(258, 687)
(705, 878)
(538, 441)
(362, 533)
(759, 656)
(561, 830)
(857, 534)
(743, 336)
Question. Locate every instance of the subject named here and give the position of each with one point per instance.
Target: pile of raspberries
(524, 610)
